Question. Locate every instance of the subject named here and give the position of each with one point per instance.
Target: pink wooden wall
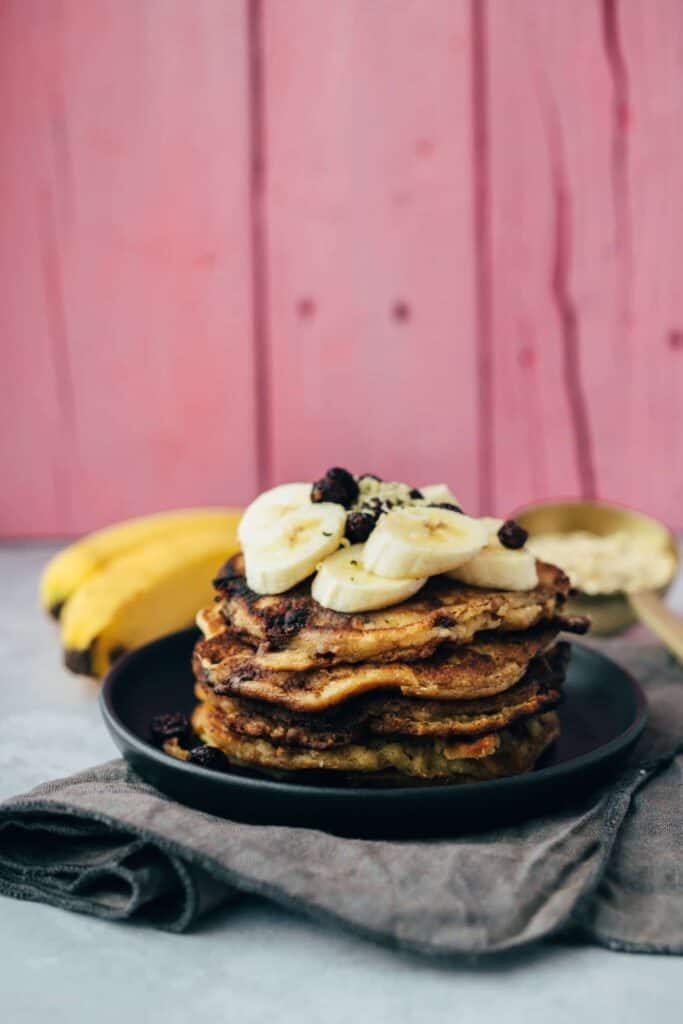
(243, 240)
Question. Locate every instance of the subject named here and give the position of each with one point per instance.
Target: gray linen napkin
(104, 842)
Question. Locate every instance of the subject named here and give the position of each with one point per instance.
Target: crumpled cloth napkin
(104, 842)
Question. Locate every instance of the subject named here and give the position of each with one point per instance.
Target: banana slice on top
(437, 493)
(292, 548)
(498, 567)
(344, 585)
(422, 541)
(268, 509)
(493, 525)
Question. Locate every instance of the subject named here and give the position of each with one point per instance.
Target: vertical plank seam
(566, 308)
(482, 253)
(55, 311)
(59, 126)
(259, 242)
(616, 64)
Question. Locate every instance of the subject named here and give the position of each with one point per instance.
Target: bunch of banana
(123, 586)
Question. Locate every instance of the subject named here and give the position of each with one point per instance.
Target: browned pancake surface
(488, 665)
(507, 752)
(384, 714)
(295, 633)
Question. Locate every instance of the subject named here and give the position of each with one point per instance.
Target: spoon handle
(664, 623)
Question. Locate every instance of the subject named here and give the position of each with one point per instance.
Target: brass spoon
(612, 613)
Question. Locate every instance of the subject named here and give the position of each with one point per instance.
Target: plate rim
(362, 793)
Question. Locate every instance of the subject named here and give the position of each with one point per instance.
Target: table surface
(254, 958)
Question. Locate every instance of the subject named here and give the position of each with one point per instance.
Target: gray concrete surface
(252, 962)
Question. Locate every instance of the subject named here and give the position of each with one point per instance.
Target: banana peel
(73, 566)
(145, 593)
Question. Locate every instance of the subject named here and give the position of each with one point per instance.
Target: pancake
(491, 756)
(385, 713)
(294, 633)
(488, 665)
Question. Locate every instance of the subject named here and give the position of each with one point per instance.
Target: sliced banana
(437, 493)
(421, 541)
(267, 510)
(493, 525)
(344, 585)
(498, 567)
(294, 547)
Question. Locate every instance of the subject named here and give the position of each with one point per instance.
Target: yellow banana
(77, 562)
(146, 593)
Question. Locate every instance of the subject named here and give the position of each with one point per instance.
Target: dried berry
(226, 575)
(446, 504)
(208, 757)
(279, 625)
(338, 486)
(512, 535)
(294, 621)
(573, 623)
(169, 726)
(359, 526)
(416, 493)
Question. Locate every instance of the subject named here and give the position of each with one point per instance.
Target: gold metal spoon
(612, 613)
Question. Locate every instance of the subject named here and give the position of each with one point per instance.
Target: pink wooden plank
(33, 392)
(369, 218)
(585, 113)
(129, 373)
(548, 116)
(649, 120)
(153, 153)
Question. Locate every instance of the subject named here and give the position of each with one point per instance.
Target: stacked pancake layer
(455, 684)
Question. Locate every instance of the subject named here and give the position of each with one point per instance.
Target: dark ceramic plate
(603, 715)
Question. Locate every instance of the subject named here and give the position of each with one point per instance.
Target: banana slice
(422, 541)
(438, 493)
(493, 525)
(344, 585)
(498, 567)
(267, 510)
(295, 546)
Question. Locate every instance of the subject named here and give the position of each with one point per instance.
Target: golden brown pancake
(294, 633)
(486, 666)
(507, 752)
(385, 713)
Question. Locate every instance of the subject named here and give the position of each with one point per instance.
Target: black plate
(603, 715)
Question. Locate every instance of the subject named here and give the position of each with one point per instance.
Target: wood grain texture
(243, 240)
(648, 113)
(585, 102)
(369, 209)
(128, 184)
(549, 119)
(36, 395)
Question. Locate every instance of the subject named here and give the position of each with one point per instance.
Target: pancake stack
(456, 684)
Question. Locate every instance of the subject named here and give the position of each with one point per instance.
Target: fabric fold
(104, 842)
